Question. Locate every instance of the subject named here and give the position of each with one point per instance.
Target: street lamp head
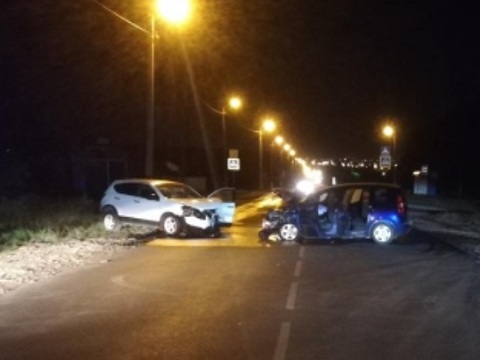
(292, 152)
(287, 147)
(388, 131)
(235, 102)
(269, 125)
(279, 140)
(175, 12)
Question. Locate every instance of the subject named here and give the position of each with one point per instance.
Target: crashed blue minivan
(376, 211)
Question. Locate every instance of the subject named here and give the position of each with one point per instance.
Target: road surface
(235, 298)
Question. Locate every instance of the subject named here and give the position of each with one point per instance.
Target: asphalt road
(234, 298)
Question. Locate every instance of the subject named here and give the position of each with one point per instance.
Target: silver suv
(174, 207)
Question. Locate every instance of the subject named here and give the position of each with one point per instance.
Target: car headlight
(191, 211)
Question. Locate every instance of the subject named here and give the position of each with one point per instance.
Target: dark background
(74, 88)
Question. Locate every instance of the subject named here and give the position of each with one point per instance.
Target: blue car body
(375, 211)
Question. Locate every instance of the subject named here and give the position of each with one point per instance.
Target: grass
(36, 219)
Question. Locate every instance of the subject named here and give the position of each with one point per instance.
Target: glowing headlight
(305, 186)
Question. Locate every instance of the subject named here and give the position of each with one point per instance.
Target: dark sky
(330, 71)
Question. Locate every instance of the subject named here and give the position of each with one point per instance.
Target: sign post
(233, 162)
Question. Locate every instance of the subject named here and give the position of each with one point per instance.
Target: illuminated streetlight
(175, 12)
(279, 140)
(388, 130)
(268, 125)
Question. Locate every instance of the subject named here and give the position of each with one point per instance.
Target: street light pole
(268, 125)
(224, 146)
(391, 132)
(394, 157)
(175, 12)
(149, 159)
(260, 159)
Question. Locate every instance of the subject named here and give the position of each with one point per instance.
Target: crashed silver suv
(173, 207)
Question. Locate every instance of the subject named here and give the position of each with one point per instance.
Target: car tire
(171, 225)
(382, 233)
(110, 219)
(289, 232)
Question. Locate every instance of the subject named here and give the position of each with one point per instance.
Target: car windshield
(178, 191)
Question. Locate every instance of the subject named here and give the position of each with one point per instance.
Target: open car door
(225, 199)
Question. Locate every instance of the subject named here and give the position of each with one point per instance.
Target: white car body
(147, 201)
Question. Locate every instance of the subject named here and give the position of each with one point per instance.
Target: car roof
(360, 184)
(151, 181)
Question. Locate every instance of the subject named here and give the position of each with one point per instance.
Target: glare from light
(268, 125)
(305, 186)
(292, 152)
(175, 12)
(314, 175)
(235, 102)
(287, 147)
(279, 140)
(388, 130)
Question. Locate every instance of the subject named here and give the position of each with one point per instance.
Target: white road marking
(292, 296)
(120, 281)
(282, 342)
(298, 268)
(302, 252)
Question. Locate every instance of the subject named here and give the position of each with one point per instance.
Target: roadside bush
(36, 219)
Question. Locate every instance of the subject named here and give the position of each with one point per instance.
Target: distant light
(279, 140)
(305, 186)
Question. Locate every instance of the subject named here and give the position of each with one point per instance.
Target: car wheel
(289, 232)
(111, 222)
(171, 225)
(382, 233)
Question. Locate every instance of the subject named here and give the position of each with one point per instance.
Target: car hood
(201, 203)
(289, 197)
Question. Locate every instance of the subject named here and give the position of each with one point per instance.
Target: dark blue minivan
(376, 211)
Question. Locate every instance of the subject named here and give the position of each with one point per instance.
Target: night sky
(330, 71)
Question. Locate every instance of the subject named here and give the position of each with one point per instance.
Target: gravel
(38, 261)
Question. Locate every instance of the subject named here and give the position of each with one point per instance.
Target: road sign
(233, 164)
(385, 150)
(385, 162)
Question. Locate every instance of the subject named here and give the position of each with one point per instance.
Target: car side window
(382, 198)
(126, 189)
(147, 192)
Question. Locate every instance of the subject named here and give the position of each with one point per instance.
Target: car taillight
(401, 206)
